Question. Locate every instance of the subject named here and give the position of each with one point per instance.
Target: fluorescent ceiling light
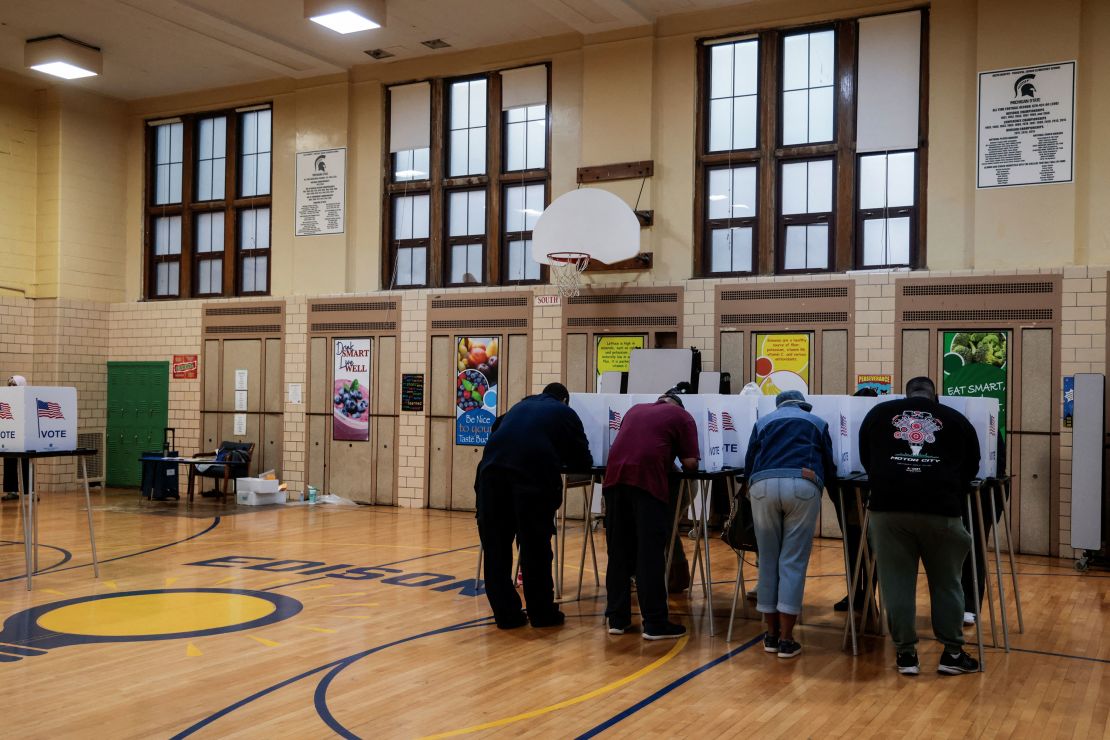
(345, 21)
(531, 211)
(716, 197)
(62, 57)
(346, 16)
(410, 173)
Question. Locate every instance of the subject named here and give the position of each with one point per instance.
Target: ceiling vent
(436, 44)
(379, 53)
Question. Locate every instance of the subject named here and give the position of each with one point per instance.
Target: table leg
(975, 587)
(850, 627)
(192, 476)
(977, 494)
(705, 493)
(25, 515)
(1010, 550)
(88, 510)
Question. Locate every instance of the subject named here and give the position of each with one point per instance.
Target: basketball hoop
(566, 271)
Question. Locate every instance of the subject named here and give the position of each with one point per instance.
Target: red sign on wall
(184, 367)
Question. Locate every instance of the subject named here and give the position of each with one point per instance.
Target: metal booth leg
(674, 526)
(34, 516)
(850, 627)
(478, 573)
(1010, 550)
(25, 515)
(977, 494)
(705, 491)
(998, 574)
(88, 510)
(975, 587)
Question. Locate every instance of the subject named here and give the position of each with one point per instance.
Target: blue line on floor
(668, 689)
(213, 525)
(339, 664)
(1059, 655)
(66, 557)
(383, 565)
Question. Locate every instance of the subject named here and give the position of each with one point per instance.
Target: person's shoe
(669, 631)
(512, 622)
(770, 644)
(841, 606)
(10, 497)
(969, 619)
(789, 648)
(954, 664)
(549, 619)
(619, 628)
(908, 664)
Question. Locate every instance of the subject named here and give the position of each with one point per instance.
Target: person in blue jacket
(519, 486)
(789, 459)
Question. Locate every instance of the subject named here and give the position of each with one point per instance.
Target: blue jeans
(784, 511)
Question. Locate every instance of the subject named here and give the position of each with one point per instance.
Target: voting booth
(39, 418)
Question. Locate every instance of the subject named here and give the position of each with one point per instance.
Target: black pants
(978, 535)
(10, 480)
(637, 529)
(853, 533)
(511, 506)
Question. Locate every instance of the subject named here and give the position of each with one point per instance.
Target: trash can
(159, 476)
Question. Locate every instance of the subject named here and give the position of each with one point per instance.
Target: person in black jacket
(519, 490)
(920, 457)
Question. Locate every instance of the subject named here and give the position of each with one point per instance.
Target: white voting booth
(38, 418)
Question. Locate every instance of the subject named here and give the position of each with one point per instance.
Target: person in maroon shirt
(636, 493)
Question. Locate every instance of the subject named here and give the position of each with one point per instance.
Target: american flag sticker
(614, 420)
(726, 421)
(713, 422)
(48, 409)
(6, 411)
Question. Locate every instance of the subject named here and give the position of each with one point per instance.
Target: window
(208, 212)
(467, 157)
(810, 144)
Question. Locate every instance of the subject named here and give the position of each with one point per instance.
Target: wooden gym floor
(372, 627)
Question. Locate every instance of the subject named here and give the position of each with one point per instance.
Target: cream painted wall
(615, 98)
(19, 134)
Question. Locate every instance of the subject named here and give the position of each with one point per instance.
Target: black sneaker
(549, 619)
(789, 648)
(954, 664)
(770, 644)
(841, 606)
(908, 663)
(619, 628)
(512, 622)
(669, 631)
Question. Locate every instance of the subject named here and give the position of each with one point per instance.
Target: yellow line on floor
(350, 616)
(264, 641)
(569, 702)
(314, 588)
(318, 629)
(192, 651)
(368, 603)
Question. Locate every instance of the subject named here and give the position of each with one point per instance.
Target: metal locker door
(463, 470)
(385, 400)
(441, 441)
(254, 434)
(834, 380)
(211, 375)
(733, 359)
(317, 451)
(578, 366)
(385, 468)
(210, 427)
(242, 354)
(272, 426)
(1034, 457)
(351, 463)
(517, 381)
(318, 409)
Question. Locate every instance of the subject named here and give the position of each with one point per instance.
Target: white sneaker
(969, 619)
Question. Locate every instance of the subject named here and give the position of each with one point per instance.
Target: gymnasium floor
(381, 634)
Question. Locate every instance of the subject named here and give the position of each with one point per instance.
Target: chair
(238, 469)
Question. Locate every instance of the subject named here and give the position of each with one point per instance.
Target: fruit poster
(975, 364)
(476, 389)
(782, 363)
(351, 391)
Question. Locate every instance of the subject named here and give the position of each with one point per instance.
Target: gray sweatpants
(902, 539)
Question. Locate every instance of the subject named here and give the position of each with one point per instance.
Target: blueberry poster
(976, 364)
(476, 389)
(351, 392)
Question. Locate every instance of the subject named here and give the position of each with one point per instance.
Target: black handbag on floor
(739, 530)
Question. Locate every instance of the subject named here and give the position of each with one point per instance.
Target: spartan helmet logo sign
(321, 164)
(1024, 86)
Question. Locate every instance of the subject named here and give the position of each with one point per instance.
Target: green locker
(138, 412)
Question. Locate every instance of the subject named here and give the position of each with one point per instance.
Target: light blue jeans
(784, 511)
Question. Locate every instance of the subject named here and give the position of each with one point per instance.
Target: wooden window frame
(845, 234)
(439, 186)
(189, 208)
(913, 212)
(396, 244)
(450, 242)
(729, 223)
(784, 220)
(507, 237)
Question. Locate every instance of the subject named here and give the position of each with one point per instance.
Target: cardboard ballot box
(39, 418)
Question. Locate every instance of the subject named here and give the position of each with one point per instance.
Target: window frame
(438, 185)
(508, 237)
(190, 207)
(450, 242)
(867, 214)
(769, 154)
(727, 223)
(783, 220)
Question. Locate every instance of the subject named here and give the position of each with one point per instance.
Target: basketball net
(566, 271)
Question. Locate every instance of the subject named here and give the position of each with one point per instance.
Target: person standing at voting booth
(789, 460)
(637, 515)
(519, 490)
(920, 457)
(11, 479)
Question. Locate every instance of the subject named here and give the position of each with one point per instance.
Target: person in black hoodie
(519, 486)
(920, 457)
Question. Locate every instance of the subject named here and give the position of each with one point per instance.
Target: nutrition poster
(975, 364)
(782, 363)
(614, 353)
(351, 391)
(476, 388)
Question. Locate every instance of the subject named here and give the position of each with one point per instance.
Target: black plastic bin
(159, 480)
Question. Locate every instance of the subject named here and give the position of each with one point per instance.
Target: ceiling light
(346, 16)
(716, 197)
(410, 173)
(436, 44)
(62, 57)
